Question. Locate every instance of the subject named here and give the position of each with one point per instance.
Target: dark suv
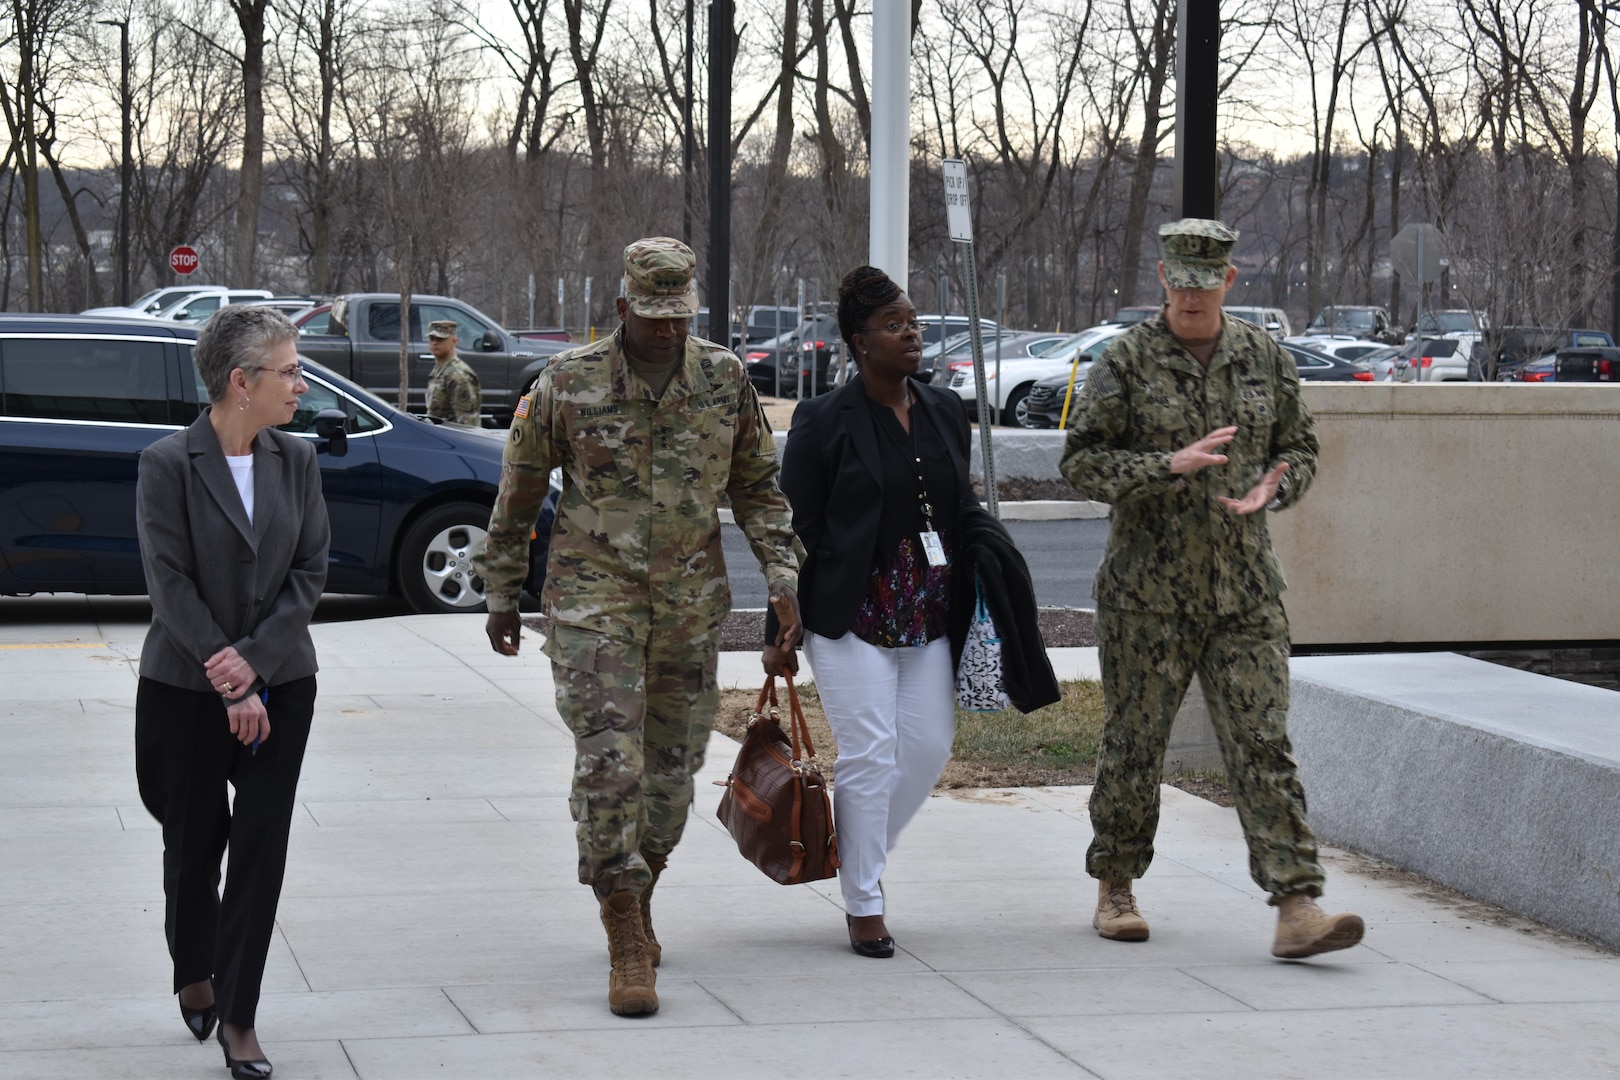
(1372, 323)
(81, 397)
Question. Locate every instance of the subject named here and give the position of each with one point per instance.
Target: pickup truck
(362, 343)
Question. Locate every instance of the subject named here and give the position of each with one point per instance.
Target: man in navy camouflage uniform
(1191, 427)
(652, 428)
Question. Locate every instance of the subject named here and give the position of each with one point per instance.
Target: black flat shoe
(200, 1022)
(244, 1070)
(877, 948)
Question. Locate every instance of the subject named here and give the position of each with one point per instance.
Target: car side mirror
(333, 426)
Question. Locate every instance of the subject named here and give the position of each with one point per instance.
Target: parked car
(287, 305)
(200, 307)
(542, 333)
(1273, 321)
(816, 337)
(1044, 404)
(155, 301)
(362, 343)
(1443, 359)
(1447, 322)
(1383, 362)
(1372, 323)
(1592, 364)
(315, 320)
(82, 397)
(1342, 346)
(936, 330)
(1510, 349)
(1320, 367)
(1023, 360)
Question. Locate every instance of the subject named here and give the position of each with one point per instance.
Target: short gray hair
(238, 336)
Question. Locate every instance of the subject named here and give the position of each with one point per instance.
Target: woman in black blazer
(877, 474)
(234, 538)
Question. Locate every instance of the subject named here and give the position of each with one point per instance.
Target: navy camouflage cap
(442, 328)
(1197, 252)
(660, 278)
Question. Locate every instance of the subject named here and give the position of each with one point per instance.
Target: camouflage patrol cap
(1197, 252)
(659, 274)
(442, 328)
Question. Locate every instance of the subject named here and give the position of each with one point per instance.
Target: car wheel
(1016, 412)
(435, 559)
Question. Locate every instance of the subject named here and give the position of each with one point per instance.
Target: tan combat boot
(631, 984)
(1304, 929)
(1117, 918)
(655, 863)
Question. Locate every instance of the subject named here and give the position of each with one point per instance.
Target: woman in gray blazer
(234, 538)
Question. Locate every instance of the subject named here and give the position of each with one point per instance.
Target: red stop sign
(183, 259)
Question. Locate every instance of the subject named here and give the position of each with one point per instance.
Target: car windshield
(1447, 322)
(1051, 348)
(1350, 319)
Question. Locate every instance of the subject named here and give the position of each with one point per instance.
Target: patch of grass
(1054, 745)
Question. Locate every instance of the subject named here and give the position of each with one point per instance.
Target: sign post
(183, 260)
(959, 216)
(1418, 249)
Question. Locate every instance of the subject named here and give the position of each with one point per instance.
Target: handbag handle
(798, 727)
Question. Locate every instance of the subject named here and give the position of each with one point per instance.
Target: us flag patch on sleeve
(522, 410)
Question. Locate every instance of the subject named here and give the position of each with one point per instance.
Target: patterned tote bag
(978, 677)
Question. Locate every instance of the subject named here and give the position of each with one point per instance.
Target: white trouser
(893, 714)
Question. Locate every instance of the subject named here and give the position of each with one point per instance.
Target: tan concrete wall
(1457, 512)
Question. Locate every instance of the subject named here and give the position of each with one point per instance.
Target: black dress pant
(184, 756)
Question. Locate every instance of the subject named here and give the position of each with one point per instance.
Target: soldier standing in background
(453, 394)
(651, 428)
(1191, 427)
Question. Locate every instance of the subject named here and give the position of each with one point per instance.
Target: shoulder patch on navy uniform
(1102, 382)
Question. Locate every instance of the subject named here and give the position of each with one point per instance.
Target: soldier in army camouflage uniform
(651, 428)
(1191, 427)
(453, 394)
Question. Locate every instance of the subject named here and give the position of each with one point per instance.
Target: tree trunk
(1154, 56)
(82, 238)
(763, 264)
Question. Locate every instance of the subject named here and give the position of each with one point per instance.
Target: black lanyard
(909, 447)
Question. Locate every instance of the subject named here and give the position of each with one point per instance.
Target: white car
(1339, 346)
(200, 308)
(1273, 321)
(1011, 391)
(155, 301)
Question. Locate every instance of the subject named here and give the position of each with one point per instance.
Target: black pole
(1198, 47)
(720, 49)
(126, 166)
(687, 141)
(128, 169)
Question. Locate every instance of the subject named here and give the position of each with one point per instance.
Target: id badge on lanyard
(933, 548)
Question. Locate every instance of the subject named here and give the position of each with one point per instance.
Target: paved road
(1062, 557)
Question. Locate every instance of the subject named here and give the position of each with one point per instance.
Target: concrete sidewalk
(431, 925)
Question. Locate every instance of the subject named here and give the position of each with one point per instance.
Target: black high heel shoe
(200, 1022)
(244, 1070)
(877, 948)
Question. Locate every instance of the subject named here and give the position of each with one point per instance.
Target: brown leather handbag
(776, 803)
